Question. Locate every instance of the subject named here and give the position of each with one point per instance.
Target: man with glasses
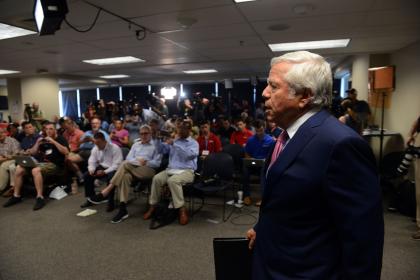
(183, 153)
(141, 162)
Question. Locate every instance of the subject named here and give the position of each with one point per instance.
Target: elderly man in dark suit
(321, 214)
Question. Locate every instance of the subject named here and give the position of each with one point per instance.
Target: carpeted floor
(54, 243)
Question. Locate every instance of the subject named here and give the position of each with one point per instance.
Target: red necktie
(281, 141)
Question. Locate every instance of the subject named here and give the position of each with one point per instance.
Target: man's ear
(305, 97)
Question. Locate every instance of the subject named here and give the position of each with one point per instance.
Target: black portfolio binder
(232, 258)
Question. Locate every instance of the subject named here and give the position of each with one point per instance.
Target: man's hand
(100, 173)
(251, 235)
(142, 161)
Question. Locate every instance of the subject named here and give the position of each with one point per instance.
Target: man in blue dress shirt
(183, 152)
(258, 147)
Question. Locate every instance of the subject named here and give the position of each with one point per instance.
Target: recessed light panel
(114, 60)
(9, 31)
(120, 76)
(309, 45)
(5, 72)
(200, 71)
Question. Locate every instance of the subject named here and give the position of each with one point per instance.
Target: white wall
(3, 92)
(405, 100)
(43, 91)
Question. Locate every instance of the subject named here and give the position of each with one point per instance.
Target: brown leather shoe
(9, 192)
(148, 214)
(247, 200)
(183, 216)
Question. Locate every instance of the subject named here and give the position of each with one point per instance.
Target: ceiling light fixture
(114, 60)
(5, 72)
(240, 1)
(309, 45)
(200, 71)
(49, 14)
(9, 31)
(119, 76)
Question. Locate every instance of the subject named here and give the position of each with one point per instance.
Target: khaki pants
(7, 171)
(174, 183)
(124, 177)
(417, 174)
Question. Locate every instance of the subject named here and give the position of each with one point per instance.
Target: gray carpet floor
(54, 243)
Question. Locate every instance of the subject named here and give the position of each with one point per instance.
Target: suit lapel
(303, 135)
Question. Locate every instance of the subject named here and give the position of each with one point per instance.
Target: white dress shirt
(109, 158)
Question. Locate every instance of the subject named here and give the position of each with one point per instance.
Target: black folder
(232, 258)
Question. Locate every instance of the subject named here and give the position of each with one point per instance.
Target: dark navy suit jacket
(321, 215)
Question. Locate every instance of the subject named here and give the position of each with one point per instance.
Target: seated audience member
(102, 164)
(86, 144)
(352, 118)
(208, 142)
(13, 131)
(28, 141)
(241, 135)
(225, 131)
(132, 125)
(258, 146)
(273, 130)
(8, 148)
(72, 134)
(141, 163)
(119, 135)
(51, 152)
(183, 153)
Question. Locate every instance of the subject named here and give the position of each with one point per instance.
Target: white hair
(308, 71)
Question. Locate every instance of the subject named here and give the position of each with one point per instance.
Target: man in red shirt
(208, 142)
(241, 135)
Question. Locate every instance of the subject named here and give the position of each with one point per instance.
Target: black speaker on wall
(4, 105)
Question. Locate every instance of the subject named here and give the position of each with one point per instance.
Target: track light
(49, 14)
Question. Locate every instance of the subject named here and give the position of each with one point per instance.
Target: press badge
(205, 152)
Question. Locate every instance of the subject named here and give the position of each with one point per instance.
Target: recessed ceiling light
(201, 71)
(309, 45)
(120, 76)
(240, 1)
(114, 60)
(5, 72)
(98, 81)
(9, 31)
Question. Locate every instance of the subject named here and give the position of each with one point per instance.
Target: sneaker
(86, 204)
(121, 216)
(97, 199)
(247, 200)
(416, 236)
(12, 201)
(39, 203)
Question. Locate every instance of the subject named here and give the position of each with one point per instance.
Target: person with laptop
(256, 150)
(51, 152)
(27, 142)
(8, 148)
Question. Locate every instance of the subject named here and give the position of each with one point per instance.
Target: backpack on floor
(163, 215)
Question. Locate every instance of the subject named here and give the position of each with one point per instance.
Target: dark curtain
(110, 94)
(87, 96)
(69, 103)
(134, 94)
